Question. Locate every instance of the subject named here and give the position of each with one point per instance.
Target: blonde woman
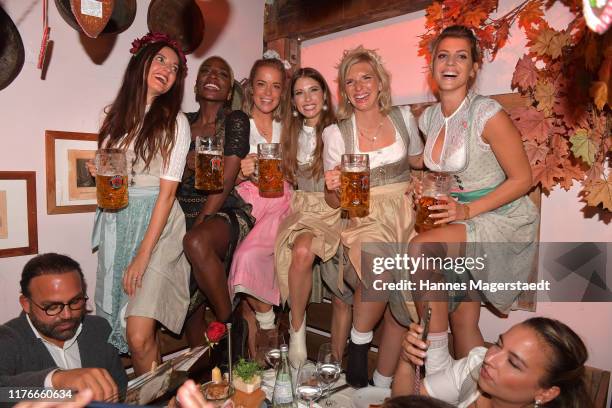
(369, 124)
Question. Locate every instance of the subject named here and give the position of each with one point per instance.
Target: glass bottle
(283, 396)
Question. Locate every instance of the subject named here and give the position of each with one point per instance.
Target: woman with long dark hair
(140, 257)
(308, 239)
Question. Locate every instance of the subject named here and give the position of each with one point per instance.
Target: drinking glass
(269, 169)
(434, 185)
(328, 368)
(209, 164)
(111, 179)
(307, 387)
(268, 347)
(355, 184)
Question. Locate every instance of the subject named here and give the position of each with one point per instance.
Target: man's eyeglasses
(56, 308)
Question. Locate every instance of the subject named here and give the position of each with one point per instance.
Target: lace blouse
(307, 143)
(255, 137)
(334, 144)
(456, 126)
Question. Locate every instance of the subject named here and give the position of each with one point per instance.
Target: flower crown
(272, 54)
(150, 38)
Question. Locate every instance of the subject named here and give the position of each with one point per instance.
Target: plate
(363, 397)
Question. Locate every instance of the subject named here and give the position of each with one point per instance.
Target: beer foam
(354, 169)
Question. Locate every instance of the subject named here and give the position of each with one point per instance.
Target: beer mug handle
(256, 171)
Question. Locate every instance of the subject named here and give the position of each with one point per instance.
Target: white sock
(361, 338)
(266, 319)
(381, 381)
(438, 356)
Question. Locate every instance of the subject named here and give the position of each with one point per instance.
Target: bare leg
(464, 325)
(195, 327)
(300, 278)
(403, 380)
(249, 315)
(205, 246)
(342, 316)
(258, 305)
(390, 345)
(142, 341)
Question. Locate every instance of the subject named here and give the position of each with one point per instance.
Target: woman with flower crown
(143, 275)
(368, 124)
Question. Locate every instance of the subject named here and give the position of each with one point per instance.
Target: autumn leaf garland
(565, 77)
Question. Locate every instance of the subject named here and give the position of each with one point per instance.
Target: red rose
(215, 331)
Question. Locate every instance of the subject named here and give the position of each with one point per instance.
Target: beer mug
(269, 169)
(209, 164)
(434, 185)
(111, 179)
(355, 184)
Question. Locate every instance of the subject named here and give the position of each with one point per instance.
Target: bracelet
(466, 211)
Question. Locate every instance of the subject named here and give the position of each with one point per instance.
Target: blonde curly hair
(352, 57)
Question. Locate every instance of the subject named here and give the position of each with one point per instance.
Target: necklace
(266, 133)
(376, 130)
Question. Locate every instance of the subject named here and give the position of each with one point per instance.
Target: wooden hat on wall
(180, 19)
(12, 54)
(122, 16)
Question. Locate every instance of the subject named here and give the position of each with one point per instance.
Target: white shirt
(334, 148)
(256, 138)
(307, 143)
(67, 357)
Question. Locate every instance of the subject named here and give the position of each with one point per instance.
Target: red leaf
(570, 172)
(531, 14)
(473, 18)
(547, 173)
(595, 172)
(525, 74)
(433, 15)
(453, 8)
(533, 124)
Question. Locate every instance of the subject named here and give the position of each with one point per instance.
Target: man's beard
(51, 330)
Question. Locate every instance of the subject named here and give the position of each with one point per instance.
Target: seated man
(53, 343)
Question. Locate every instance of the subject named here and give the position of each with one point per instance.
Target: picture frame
(70, 187)
(18, 219)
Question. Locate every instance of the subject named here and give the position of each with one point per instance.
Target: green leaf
(583, 147)
(246, 369)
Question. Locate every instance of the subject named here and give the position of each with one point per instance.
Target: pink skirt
(252, 270)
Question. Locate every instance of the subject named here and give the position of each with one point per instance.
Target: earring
(324, 107)
(294, 114)
(536, 404)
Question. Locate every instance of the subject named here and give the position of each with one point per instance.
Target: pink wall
(396, 40)
(71, 98)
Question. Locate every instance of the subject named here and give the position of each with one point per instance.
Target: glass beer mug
(209, 164)
(355, 184)
(111, 179)
(434, 185)
(269, 169)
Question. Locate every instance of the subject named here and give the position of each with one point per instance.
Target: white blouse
(456, 128)
(178, 156)
(334, 148)
(256, 138)
(457, 383)
(307, 142)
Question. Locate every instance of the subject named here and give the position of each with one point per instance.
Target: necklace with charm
(371, 139)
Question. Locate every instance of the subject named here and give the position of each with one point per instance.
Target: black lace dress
(233, 128)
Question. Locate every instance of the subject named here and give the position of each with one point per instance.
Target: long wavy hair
(352, 57)
(127, 119)
(248, 103)
(293, 124)
(568, 354)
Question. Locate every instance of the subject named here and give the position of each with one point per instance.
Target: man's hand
(98, 380)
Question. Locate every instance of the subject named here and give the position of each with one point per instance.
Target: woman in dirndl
(488, 214)
(252, 274)
(308, 238)
(143, 275)
(369, 124)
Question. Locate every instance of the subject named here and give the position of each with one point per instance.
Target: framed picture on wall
(70, 187)
(18, 225)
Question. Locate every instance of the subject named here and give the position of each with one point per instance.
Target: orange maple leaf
(535, 152)
(570, 172)
(525, 74)
(546, 173)
(599, 192)
(542, 44)
(473, 18)
(595, 172)
(599, 92)
(533, 124)
(531, 14)
(555, 47)
(545, 95)
(559, 145)
(453, 8)
(433, 15)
